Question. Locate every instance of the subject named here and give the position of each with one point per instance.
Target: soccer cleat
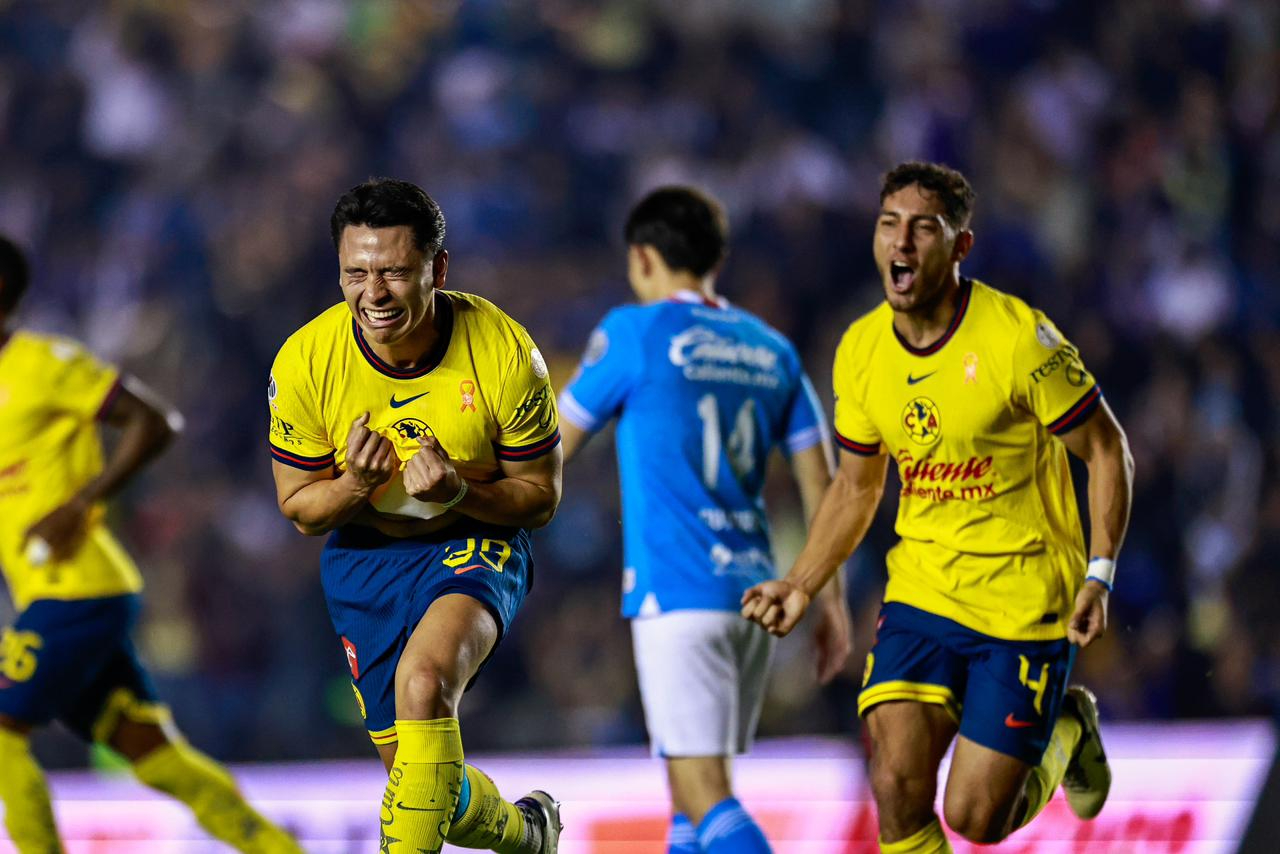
(541, 807)
(1088, 777)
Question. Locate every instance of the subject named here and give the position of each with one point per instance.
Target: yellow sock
(927, 840)
(28, 814)
(423, 786)
(184, 773)
(489, 822)
(1046, 777)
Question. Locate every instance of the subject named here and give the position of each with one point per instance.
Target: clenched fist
(429, 475)
(371, 458)
(775, 605)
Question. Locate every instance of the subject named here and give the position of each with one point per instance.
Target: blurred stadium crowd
(171, 165)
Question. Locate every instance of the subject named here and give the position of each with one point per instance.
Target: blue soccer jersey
(703, 392)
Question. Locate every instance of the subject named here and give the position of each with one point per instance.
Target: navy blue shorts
(65, 660)
(1004, 695)
(378, 587)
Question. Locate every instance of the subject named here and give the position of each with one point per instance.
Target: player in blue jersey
(703, 392)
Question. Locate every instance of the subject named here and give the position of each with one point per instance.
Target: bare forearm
(1110, 496)
(141, 440)
(813, 470)
(510, 501)
(841, 522)
(325, 505)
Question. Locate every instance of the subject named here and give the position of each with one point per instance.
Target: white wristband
(1102, 570)
(462, 493)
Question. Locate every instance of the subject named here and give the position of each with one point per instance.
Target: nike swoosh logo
(1013, 723)
(913, 380)
(403, 806)
(396, 404)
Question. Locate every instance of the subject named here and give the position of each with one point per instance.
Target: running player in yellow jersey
(977, 397)
(417, 427)
(68, 656)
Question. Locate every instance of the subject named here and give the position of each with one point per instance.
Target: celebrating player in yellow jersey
(977, 397)
(418, 428)
(68, 656)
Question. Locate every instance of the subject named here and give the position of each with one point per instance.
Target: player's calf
(28, 813)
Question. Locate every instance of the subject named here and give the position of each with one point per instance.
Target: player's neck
(685, 283)
(926, 323)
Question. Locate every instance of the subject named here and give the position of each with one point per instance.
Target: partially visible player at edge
(703, 392)
(977, 397)
(68, 656)
(417, 427)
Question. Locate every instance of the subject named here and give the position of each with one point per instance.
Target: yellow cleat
(1088, 777)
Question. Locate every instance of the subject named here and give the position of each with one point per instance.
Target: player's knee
(425, 691)
(901, 795)
(976, 820)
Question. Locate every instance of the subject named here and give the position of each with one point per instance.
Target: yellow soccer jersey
(52, 392)
(990, 531)
(484, 395)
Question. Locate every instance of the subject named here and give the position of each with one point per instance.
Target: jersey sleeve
(87, 386)
(854, 430)
(805, 426)
(296, 434)
(528, 421)
(1050, 380)
(610, 369)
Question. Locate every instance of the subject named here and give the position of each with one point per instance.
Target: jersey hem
(300, 462)
(803, 440)
(1078, 413)
(520, 453)
(863, 449)
(85, 594)
(104, 408)
(577, 414)
(1049, 632)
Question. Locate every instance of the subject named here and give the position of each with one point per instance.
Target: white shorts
(702, 680)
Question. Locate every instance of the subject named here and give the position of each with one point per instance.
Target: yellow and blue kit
(991, 546)
(68, 655)
(485, 396)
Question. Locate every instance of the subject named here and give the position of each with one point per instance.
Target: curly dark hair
(388, 202)
(943, 181)
(687, 227)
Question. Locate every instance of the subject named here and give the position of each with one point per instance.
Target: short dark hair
(14, 274)
(386, 203)
(946, 183)
(687, 227)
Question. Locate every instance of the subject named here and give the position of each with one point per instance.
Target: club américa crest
(921, 421)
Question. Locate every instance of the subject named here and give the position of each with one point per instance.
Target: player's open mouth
(380, 317)
(901, 276)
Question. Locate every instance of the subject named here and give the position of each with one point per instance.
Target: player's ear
(439, 268)
(964, 242)
(638, 259)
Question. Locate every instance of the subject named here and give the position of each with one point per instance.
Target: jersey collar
(428, 363)
(696, 298)
(962, 306)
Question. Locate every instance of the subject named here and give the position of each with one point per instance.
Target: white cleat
(1088, 777)
(545, 809)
